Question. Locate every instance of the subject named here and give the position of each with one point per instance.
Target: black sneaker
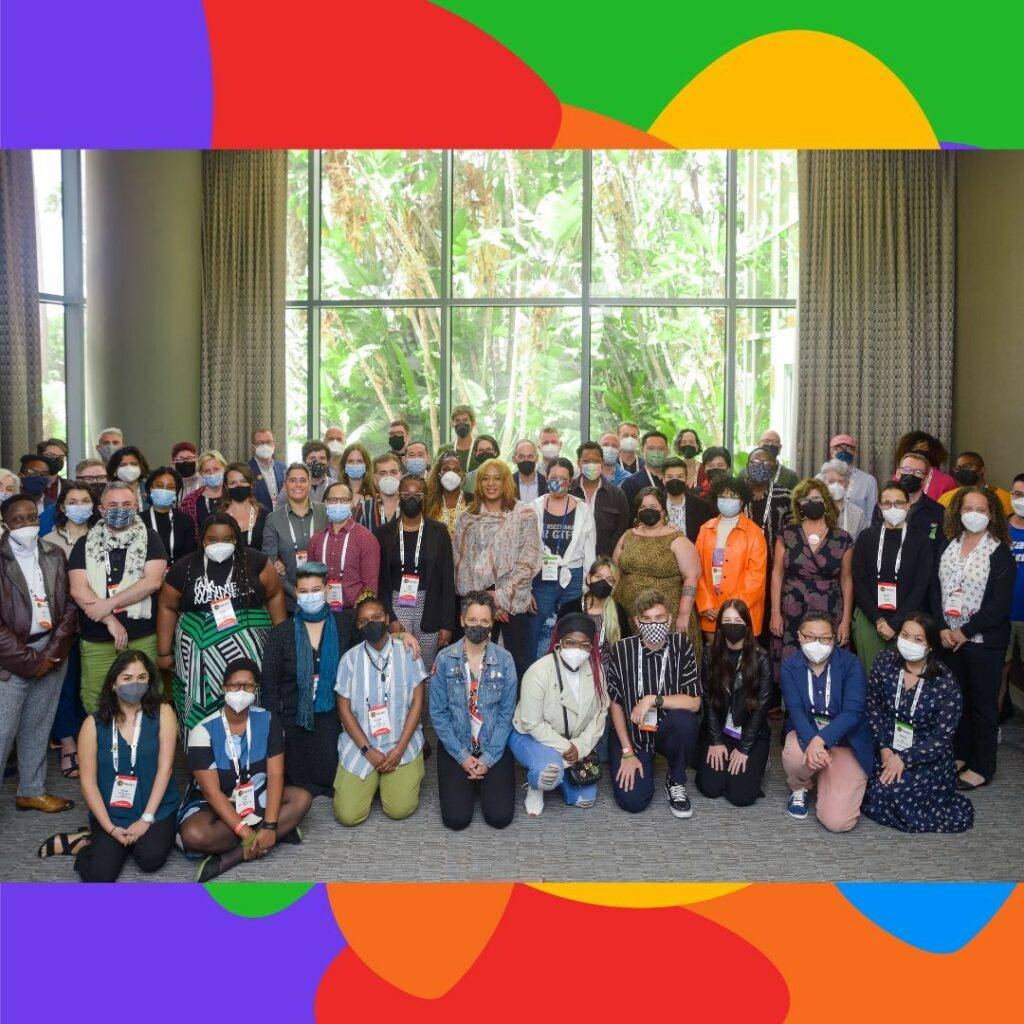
(678, 802)
(209, 868)
(293, 838)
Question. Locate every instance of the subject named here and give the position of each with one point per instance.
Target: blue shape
(938, 917)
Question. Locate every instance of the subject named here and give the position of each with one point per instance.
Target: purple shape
(957, 145)
(185, 948)
(105, 74)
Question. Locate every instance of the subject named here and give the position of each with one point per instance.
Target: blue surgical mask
(729, 507)
(312, 602)
(338, 513)
(846, 457)
(416, 465)
(355, 470)
(78, 513)
(118, 518)
(213, 480)
(162, 497)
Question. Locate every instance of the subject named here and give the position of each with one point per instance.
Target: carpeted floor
(719, 842)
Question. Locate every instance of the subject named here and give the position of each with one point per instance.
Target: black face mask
(526, 467)
(373, 631)
(966, 476)
(240, 493)
(396, 442)
(484, 456)
(813, 509)
(411, 506)
(462, 429)
(477, 634)
(56, 463)
(649, 516)
(911, 483)
(773, 448)
(714, 474)
(186, 469)
(318, 470)
(601, 589)
(675, 487)
(734, 632)
(688, 451)
(94, 490)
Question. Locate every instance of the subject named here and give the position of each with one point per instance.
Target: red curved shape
(314, 73)
(573, 957)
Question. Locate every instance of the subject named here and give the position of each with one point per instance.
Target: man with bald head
(787, 478)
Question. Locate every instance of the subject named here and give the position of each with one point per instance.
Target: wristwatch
(148, 818)
(272, 825)
(659, 701)
(364, 748)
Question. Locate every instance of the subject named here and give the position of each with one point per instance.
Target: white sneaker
(534, 801)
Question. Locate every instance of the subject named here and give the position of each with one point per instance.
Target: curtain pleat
(877, 300)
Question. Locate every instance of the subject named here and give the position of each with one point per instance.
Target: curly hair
(937, 453)
(737, 485)
(997, 525)
(435, 492)
(800, 492)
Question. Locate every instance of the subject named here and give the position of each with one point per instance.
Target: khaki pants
(840, 786)
(399, 792)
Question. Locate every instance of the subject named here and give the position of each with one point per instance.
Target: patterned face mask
(654, 634)
(118, 518)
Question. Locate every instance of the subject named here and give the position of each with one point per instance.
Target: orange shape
(420, 937)
(585, 129)
(796, 89)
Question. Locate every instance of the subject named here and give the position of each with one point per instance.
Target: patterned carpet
(719, 842)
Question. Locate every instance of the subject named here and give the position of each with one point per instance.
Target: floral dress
(810, 580)
(925, 799)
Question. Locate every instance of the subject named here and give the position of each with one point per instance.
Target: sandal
(71, 772)
(70, 844)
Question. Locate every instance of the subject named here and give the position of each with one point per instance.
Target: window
(566, 288)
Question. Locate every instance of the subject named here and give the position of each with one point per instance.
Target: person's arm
(267, 837)
(445, 567)
(502, 728)
(370, 561)
(795, 700)
(528, 561)
(274, 593)
(168, 734)
(152, 579)
(350, 724)
(778, 569)
(81, 592)
(64, 631)
(689, 570)
(712, 719)
(589, 536)
(531, 710)
(765, 691)
(998, 597)
(750, 588)
(384, 590)
(865, 593)
(270, 539)
(851, 712)
(441, 715)
(166, 621)
(846, 586)
(87, 779)
(412, 723)
(707, 607)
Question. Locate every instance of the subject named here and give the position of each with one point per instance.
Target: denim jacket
(496, 700)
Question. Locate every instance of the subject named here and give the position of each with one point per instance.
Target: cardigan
(581, 550)
(912, 583)
(992, 620)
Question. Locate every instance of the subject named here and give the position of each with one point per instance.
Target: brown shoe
(47, 802)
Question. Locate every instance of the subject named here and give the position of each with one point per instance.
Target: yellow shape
(795, 89)
(639, 894)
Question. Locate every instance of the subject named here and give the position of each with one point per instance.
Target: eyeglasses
(913, 471)
(577, 645)
(378, 617)
(239, 687)
(824, 638)
(899, 503)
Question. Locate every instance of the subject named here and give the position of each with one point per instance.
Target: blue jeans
(549, 595)
(534, 756)
(70, 713)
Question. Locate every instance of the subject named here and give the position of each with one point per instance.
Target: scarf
(99, 542)
(304, 660)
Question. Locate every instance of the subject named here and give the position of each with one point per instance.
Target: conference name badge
(902, 736)
(730, 727)
(224, 613)
(822, 721)
(409, 588)
(475, 723)
(122, 793)
(649, 722)
(244, 799)
(42, 611)
(300, 558)
(112, 589)
(380, 720)
(549, 570)
(335, 595)
(887, 597)
(954, 604)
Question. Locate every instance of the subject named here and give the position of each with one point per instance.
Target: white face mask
(974, 522)
(239, 700)
(128, 474)
(450, 480)
(838, 491)
(219, 552)
(910, 649)
(894, 516)
(1018, 506)
(335, 447)
(387, 485)
(550, 450)
(609, 454)
(264, 452)
(816, 652)
(629, 444)
(25, 536)
(573, 656)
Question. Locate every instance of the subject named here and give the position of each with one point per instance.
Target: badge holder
(409, 589)
(887, 597)
(301, 557)
(335, 594)
(650, 721)
(224, 613)
(730, 729)
(902, 736)
(122, 794)
(549, 569)
(380, 720)
(244, 798)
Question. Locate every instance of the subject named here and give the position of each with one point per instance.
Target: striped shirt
(625, 688)
(359, 680)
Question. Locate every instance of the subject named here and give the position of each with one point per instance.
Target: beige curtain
(21, 394)
(243, 350)
(877, 300)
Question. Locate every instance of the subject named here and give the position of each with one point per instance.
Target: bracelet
(272, 825)
(238, 828)
(625, 755)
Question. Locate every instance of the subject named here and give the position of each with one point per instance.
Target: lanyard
(561, 527)
(846, 509)
(386, 668)
(387, 519)
(899, 696)
(115, 752)
(401, 548)
(170, 532)
(227, 582)
(651, 478)
(640, 668)
(828, 688)
(229, 742)
(252, 525)
(899, 551)
(344, 554)
(291, 530)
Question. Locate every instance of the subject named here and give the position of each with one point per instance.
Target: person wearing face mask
(608, 504)
(892, 572)
(686, 511)
(738, 689)
(355, 464)
(185, 462)
(34, 479)
(836, 477)
(472, 697)
(861, 487)
(688, 446)
(417, 459)
(530, 483)
(127, 750)
(935, 482)
(717, 463)
(629, 444)
(315, 457)
(10, 484)
(55, 451)
(164, 488)
(611, 470)
(115, 570)
(399, 433)
(92, 475)
(463, 421)
(130, 467)
(813, 570)
(611, 623)
(334, 438)
(240, 503)
(206, 499)
(37, 626)
(108, 442)
(290, 528)
(924, 513)
(913, 709)
(237, 806)
(446, 496)
(387, 471)
(417, 573)
(828, 744)
(1015, 648)
(969, 471)
(485, 448)
(549, 444)
(268, 472)
(733, 558)
(771, 441)
(971, 596)
(380, 701)
(221, 599)
(559, 719)
(654, 445)
(350, 552)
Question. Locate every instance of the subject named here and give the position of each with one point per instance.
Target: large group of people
(291, 628)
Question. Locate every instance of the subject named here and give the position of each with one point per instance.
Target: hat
(577, 622)
(843, 439)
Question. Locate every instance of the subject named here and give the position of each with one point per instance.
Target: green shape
(628, 61)
(257, 899)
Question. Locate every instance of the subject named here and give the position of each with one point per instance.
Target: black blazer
(698, 512)
(542, 484)
(992, 621)
(279, 689)
(634, 484)
(917, 566)
(751, 725)
(612, 515)
(926, 514)
(576, 606)
(437, 567)
(183, 532)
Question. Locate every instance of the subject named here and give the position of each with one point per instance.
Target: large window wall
(560, 287)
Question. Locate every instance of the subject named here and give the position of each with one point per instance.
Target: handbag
(587, 770)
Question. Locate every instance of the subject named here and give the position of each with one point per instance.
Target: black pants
(742, 789)
(104, 857)
(676, 739)
(979, 671)
(458, 793)
(514, 637)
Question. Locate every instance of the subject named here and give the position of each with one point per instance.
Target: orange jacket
(745, 570)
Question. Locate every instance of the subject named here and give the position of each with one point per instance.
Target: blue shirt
(1017, 547)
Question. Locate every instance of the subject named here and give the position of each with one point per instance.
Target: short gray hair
(115, 485)
(110, 430)
(836, 466)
